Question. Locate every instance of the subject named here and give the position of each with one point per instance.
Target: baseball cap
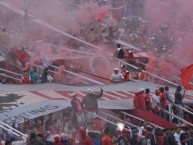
(141, 89)
(116, 68)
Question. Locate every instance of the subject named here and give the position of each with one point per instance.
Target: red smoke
(179, 16)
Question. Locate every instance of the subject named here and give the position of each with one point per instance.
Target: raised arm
(100, 94)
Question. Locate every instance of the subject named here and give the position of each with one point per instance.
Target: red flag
(186, 74)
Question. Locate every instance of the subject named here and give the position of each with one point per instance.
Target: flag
(186, 74)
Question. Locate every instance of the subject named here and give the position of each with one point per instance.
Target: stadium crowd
(80, 125)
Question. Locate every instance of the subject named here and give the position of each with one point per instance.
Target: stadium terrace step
(150, 117)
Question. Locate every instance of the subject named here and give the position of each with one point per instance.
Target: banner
(32, 111)
(186, 74)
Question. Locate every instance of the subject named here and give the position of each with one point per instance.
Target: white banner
(32, 111)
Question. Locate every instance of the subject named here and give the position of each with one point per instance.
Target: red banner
(186, 74)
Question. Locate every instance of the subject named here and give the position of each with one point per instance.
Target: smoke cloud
(172, 22)
(166, 30)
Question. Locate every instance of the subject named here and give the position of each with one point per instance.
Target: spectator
(163, 102)
(44, 77)
(138, 101)
(130, 58)
(49, 125)
(84, 140)
(142, 129)
(39, 126)
(95, 137)
(169, 99)
(134, 140)
(89, 128)
(187, 118)
(174, 120)
(45, 138)
(184, 138)
(170, 137)
(149, 138)
(117, 77)
(178, 101)
(156, 103)
(57, 140)
(168, 95)
(111, 127)
(76, 106)
(166, 132)
(26, 78)
(89, 102)
(71, 140)
(33, 140)
(97, 124)
(40, 138)
(147, 99)
(123, 71)
(177, 135)
(158, 136)
(12, 137)
(127, 76)
(106, 140)
(34, 76)
(140, 75)
(124, 138)
(64, 139)
(119, 52)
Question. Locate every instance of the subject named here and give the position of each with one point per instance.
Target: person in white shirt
(117, 77)
(156, 103)
(179, 131)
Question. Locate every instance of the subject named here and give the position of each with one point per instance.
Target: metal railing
(111, 122)
(127, 114)
(175, 116)
(13, 130)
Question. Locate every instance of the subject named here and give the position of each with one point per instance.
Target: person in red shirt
(140, 75)
(71, 140)
(125, 73)
(57, 141)
(147, 99)
(106, 140)
(138, 101)
(26, 79)
(77, 108)
(84, 139)
(127, 76)
(123, 70)
(125, 135)
(130, 57)
(163, 102)
(162, 97)
(97, 124)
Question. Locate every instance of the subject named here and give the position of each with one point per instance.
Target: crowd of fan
(100, 133)
(93, 132)
(151, 136)
(161, 102)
